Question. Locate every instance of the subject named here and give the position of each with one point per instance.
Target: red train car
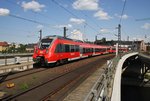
(121, 49)
(57, 49)
(112, 49)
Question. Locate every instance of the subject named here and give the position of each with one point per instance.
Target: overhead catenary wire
(43, 15)
(26, 19)
(54, 1)
(34, 21)
(91, 20)
(122, 12)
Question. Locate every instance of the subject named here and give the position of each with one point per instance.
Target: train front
(41, 50)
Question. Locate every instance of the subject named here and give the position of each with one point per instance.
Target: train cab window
(45, 43)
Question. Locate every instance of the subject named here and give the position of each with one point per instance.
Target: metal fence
(15, 60)
(102, 89)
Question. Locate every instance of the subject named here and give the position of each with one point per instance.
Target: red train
(57, 49)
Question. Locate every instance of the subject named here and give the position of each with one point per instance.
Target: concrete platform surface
(80, 93)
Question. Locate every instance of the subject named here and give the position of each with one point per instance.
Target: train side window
(67, 49)
(72, 48)
(62, 48)
(76, 48)
(88, 50)
(84, 50)
(92, 50)
(58, 48)
(96, 50)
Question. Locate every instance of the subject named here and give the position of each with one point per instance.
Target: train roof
(60, 37)
(83, 43)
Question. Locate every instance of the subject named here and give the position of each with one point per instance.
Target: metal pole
(96, 39)
(119, 37)
(65, 29)
(119, 34)
(40, 34)
(5, 59)
(116, 49)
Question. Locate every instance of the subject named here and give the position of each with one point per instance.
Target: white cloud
(104, 30)
(4, 12)
(33, 5)
(125, 16)
(77, 21)
(101, 15)
(61, 26)
(40, 26)
(76, 34)
(86, 4)
(146, 26)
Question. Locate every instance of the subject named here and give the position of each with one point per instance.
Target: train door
(59, 50)
(94, 51)
(81, 51)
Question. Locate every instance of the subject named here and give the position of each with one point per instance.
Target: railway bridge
(125, 78)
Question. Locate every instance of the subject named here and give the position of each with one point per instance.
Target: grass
(24, 86)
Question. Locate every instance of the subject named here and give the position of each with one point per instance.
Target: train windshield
(45, 43)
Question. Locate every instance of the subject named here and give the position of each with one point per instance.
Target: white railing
(14, 60)
(101, 91)
(107, 87)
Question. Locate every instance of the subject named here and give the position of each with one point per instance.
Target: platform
(80, 93)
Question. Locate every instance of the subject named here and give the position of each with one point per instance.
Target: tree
(103, 40)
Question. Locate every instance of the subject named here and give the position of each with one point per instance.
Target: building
(145, 46)
(3, 46)
(30, 47)
(132, 45)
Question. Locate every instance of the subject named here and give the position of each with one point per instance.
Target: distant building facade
(145, 46)
(132, 45)
(3, 46)
(30, 47)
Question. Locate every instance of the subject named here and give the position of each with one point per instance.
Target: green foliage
(34, 77)
(20, 49)
(103, 40)
(24, 86)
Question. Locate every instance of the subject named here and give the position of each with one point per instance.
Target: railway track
(64, 80)
(10, 76)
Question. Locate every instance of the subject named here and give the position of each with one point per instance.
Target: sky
(21, 20)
